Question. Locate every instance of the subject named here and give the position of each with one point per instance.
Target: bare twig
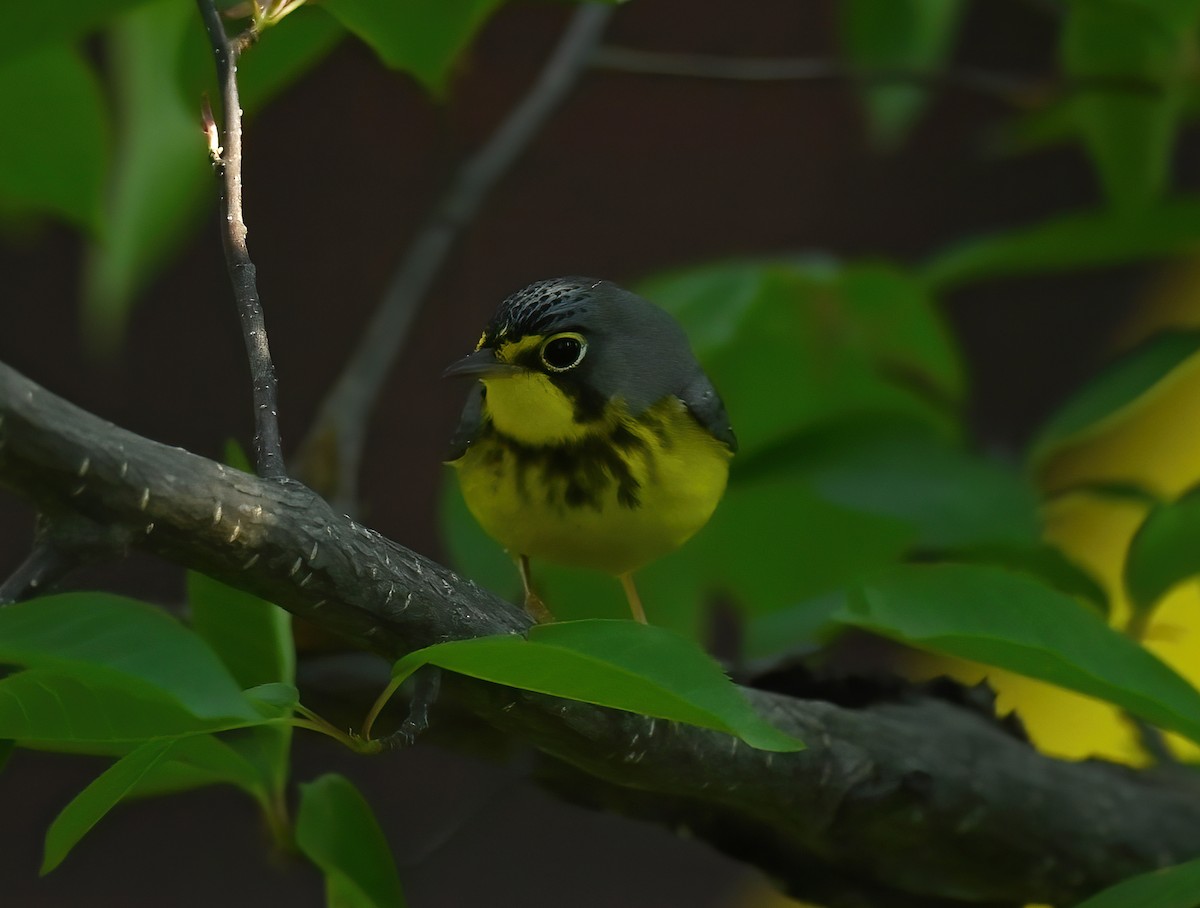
(339, 431)
(1015, 90)
(227, 160)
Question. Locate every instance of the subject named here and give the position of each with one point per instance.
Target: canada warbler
(592, 437)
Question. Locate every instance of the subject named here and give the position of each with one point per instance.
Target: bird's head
(563, 355)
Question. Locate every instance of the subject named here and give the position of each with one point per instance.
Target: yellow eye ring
(562, 352)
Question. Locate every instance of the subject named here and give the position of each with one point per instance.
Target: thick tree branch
(917, 803)
(332, 451)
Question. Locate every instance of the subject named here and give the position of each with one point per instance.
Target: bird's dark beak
(482, 364)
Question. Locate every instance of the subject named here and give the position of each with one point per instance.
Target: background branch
(332, 451)
(227, 161)
(915, 802)
(1014, 90)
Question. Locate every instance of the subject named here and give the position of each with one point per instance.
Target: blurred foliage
(1171, 887)
(888, 37)
(336, 829)
(1142, 51)
(858, 501)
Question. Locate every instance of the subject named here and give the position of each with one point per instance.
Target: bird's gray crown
(542, 304)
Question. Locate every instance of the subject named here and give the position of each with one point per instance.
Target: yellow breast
(611, 494)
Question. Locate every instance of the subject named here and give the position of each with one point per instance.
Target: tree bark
(912, 803)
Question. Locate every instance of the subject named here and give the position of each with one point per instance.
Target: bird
(591, 437)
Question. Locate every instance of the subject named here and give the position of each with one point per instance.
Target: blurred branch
(62, 543)
(226, 156)
(1013, 90)
(331, 453)
(907, 803)
(35, 575)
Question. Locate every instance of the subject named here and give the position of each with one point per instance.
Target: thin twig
(338, 433)
(227, 160)
(1015, 90)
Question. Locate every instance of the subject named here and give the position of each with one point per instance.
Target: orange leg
(635, 601)
(533, 602)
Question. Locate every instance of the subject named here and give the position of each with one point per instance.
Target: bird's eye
(563, 351)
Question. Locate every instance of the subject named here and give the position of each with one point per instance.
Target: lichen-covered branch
(909, 803)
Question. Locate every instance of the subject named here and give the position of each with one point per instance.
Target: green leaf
(1110, 396)
(253, 637)
(800, 627)
(158, 766)
(81, 632)
(7, 746)
(809, 624)
(621, 664)
(1118, 491)
(161, 170)
(199, 760)
(422, 37)
(336, 830)
(840, 340)
(1170, 887)
(27, 26)
(883, 36)
(90, 805)
(1044, 561)
(1081, 240)
(1129, 134)
(52, 98)
(1164, 551)
(92, 710)
(901, 469)
(1014, 622)
(274, 700)
(235, 456)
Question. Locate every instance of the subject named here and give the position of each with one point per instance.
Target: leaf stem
(314, 722)
(380, 702)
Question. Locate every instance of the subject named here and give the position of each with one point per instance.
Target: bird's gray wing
(469, 424)
(704, 403)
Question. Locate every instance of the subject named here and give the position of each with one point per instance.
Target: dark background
(635, 174)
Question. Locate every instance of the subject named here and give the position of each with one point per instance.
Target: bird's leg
(533, 602)
(635, 601)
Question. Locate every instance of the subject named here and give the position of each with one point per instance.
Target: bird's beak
(482, 364)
